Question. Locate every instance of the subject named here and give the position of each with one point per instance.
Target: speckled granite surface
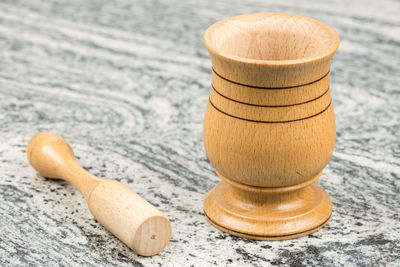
(126, 83)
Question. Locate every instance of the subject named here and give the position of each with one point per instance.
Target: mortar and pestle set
(269, 130)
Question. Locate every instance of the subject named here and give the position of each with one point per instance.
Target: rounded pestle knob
(124, 213)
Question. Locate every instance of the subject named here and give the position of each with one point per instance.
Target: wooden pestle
(124, 213)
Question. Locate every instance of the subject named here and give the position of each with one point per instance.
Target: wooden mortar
(269, 126)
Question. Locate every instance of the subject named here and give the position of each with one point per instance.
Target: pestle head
(131, 218)
(47, 153)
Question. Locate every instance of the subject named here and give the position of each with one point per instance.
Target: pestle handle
(128, 216)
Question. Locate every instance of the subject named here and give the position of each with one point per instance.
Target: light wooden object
(124, 213)
(269, 126)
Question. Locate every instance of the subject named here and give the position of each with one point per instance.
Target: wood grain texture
(129, 80)
(124, 213)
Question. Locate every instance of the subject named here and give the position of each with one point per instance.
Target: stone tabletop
(126, 84)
